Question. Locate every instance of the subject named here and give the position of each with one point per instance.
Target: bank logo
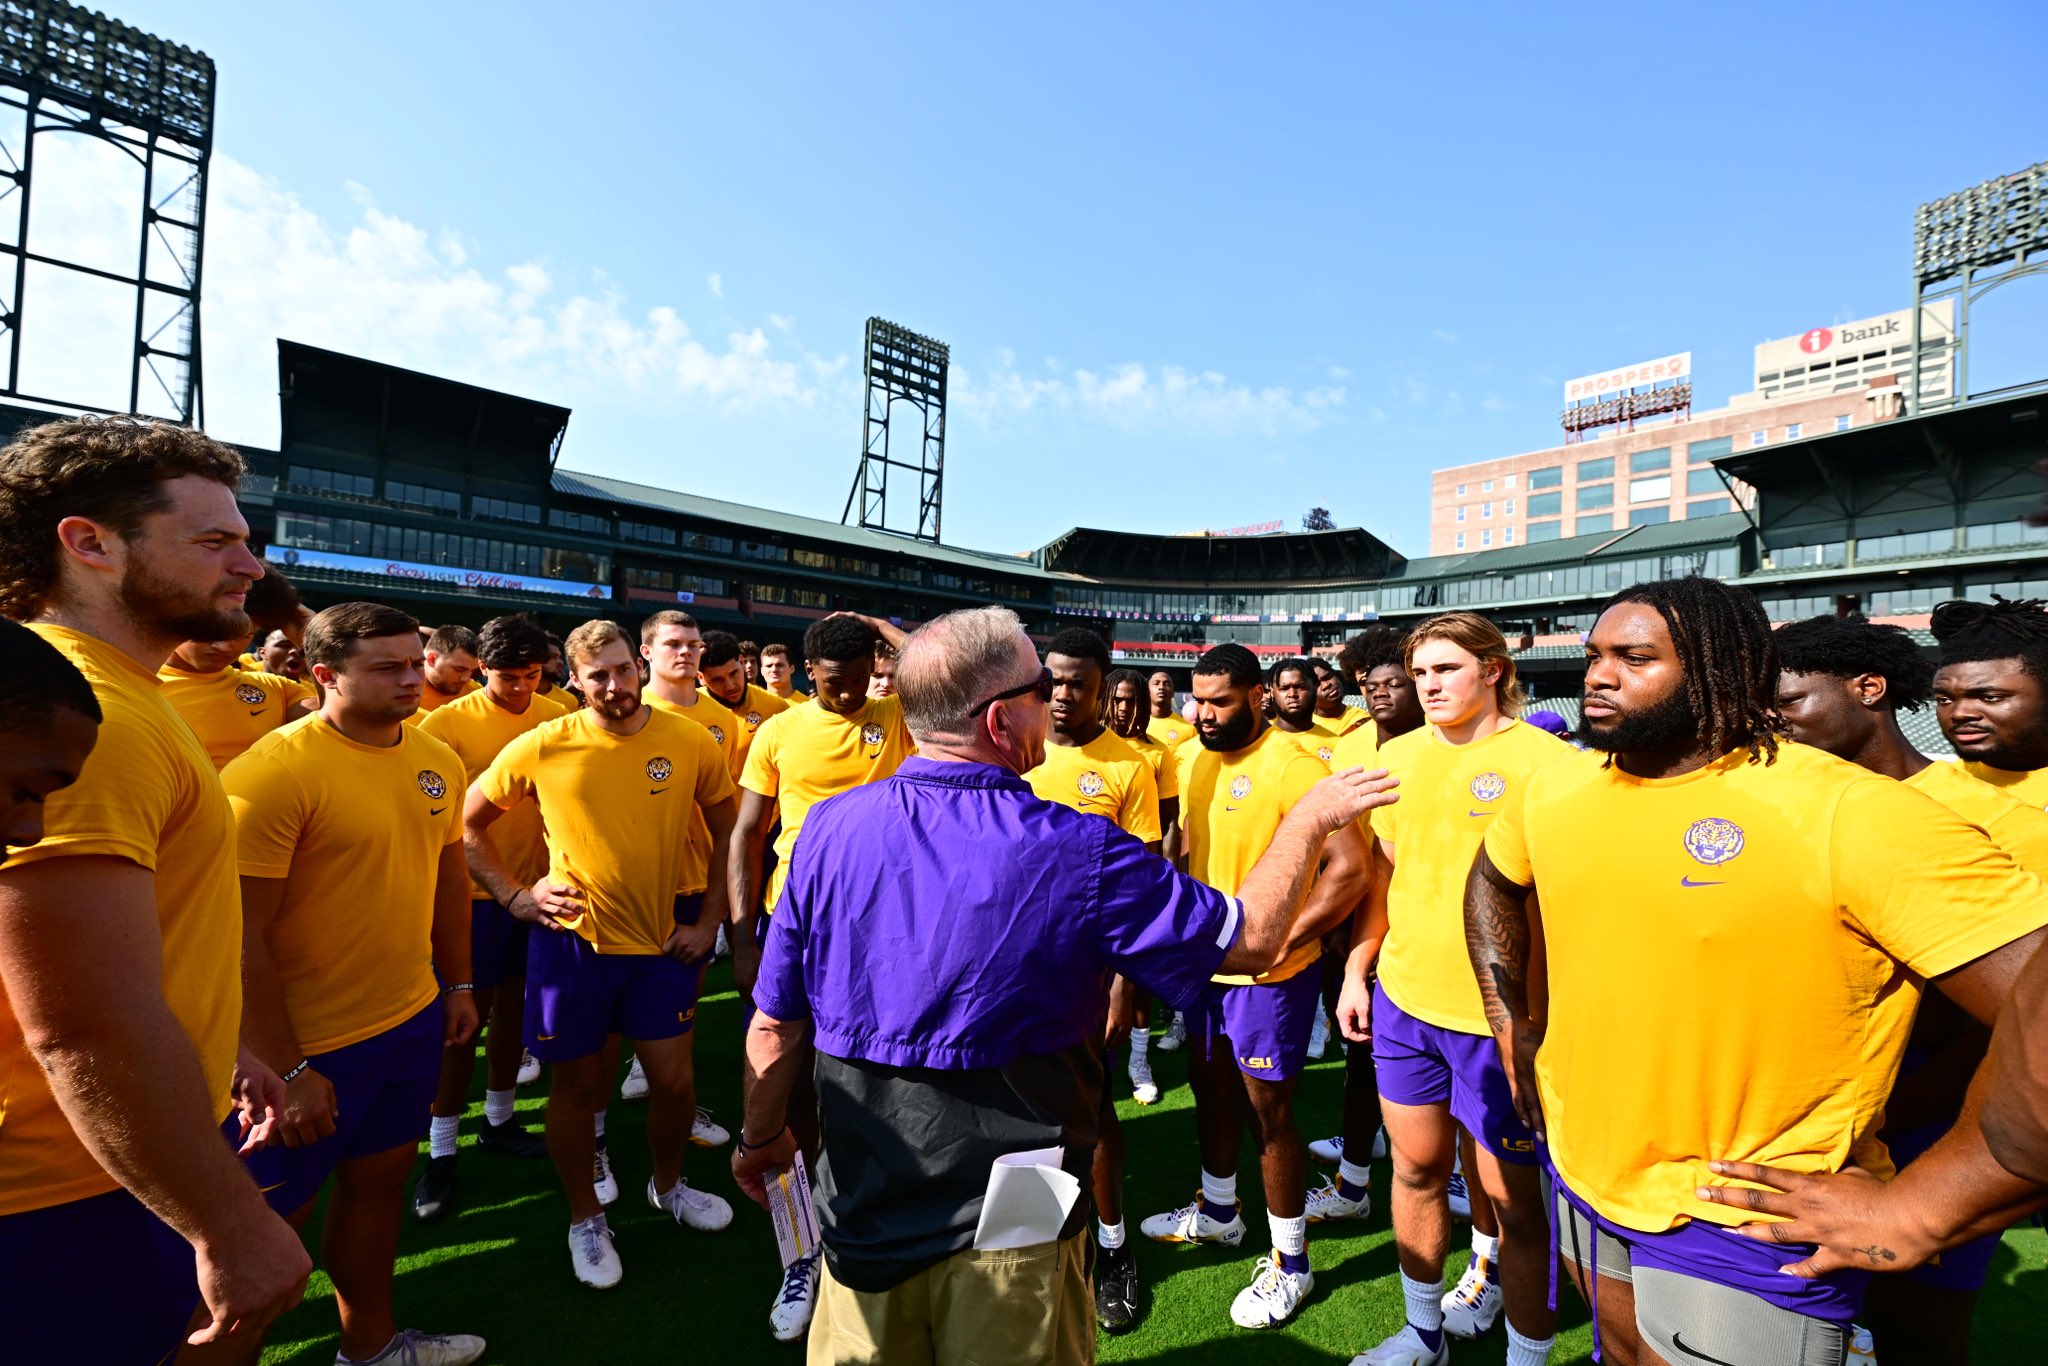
(659, 770)
(432, 784)
(1713, 841)
(1817, 341)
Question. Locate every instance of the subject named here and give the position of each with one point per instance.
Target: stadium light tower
(1969, 243)
(901, 367)
(67, 69)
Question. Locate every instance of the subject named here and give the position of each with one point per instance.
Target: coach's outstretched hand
(1345, 795)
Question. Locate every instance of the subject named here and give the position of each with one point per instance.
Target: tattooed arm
(1499, 939)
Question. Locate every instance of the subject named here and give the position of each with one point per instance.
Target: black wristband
(747, 1147)
(293, 1074)
(458, 986)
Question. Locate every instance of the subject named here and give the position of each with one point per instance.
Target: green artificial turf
(501, 1267)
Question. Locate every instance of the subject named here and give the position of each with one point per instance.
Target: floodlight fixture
(1964, 246)
(902, 367)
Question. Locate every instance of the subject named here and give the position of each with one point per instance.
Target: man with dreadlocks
(1740, 987)
(1991, 693)
(1841, 683)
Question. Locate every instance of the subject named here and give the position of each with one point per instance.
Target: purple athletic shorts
(1424, 1064)
(576, 996)
(497, 948)
(100, 1279)
(1959, 1268)
(1267, 1024)
(383, 1088)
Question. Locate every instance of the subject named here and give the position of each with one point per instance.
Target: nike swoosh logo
(1678, 1340)
(259, 711)
(544, 1038)
(656, 791)
(1688, 882)
(1230, 808)
(437, 811)
(1470, 812)
(265, 1190)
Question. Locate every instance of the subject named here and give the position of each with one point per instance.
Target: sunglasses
(1042, 685)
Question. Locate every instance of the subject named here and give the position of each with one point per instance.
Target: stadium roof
(1629, 542)
(1350, 555)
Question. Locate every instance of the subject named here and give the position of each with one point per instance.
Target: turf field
(501, 1269)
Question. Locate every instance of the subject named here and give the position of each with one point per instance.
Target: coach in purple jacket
(949, 936)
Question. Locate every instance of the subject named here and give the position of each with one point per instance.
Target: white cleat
(1472, 1305)
(602, 1178)
(1319, 1037)
(1327, 1203)
(1405, 1348)
(1331, 1150)
(790, 1316)
(700, 1210)
(1189, 1224)
(529, 1070)
(634, 1087)
(707, 1132)
(592, 1255)
(1176, 1036)
(1273, 1297)
(1461, 1201)
(411, 1347)
(1144, 1090)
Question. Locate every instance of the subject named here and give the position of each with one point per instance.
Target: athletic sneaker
(635, 1085)
(707, 1132)
(1472, 1305)
(1327, 1203)
(1861, 1350)
(719, 947)
(434, 1197)
(1461, 1201)
(511, 1139)
(1331, 1150)
(1116, 1288)
(1273, 1296)
(1144, 1090)
(529, 1070)
(1405, 1348)
(789, 1318)
(591, 1254)
(700, 1210)
(1175, 1037)
(413, 1348)
(1319, 1037)
(602, 1178)
(1190, 1224)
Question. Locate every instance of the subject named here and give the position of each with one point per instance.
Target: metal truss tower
(902, 367)
(67, 69)
(1967, 244)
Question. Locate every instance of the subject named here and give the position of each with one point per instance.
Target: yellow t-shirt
(148, 794)
(1449, 794)
(356, 833)
(713, 715)
(432, 699)
(618, 810)
(1165, 772)
(1170, 731)
(808, 754)
(2027, 786)
(1105, 776)
(231, 709)
(477, 728)
(1318, 745)
(2015, 827)
(1230, 805)
(1346, 721)
(753, 711)
(562, 698)
(248, 660)
(1735, 958)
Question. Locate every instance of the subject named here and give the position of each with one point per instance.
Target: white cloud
(1444, 335)
(780, 323)
(716, 284)
(1134, 395)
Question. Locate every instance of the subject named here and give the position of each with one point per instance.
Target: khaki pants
(1027, 1306)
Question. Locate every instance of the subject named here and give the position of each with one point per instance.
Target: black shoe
(511, 1139)
(433, 1199)
(1116, 1288)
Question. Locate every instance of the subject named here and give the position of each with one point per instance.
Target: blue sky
(1199, 266)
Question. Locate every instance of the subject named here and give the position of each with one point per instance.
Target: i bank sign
(1821, 338)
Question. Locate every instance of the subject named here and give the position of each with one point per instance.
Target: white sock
(1354, 1173)
(498, 1106)
(441, 1136)
(1141, 1043)
(1220, 1191)
(600, 1124)
(1483, 1246)
(1109, 1236)
(1527, 1351)
(1425, 1303)
(1289, 1235)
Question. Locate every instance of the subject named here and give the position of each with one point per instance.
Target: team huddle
(271, 877)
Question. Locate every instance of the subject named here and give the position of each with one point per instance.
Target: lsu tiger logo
(1324, 752)
(659, 770)
(753, 720)
(250, 693)
(1241, 786)
(1090, 784)
(717, 732)
(1489, 787)
(432, 784)
(872, 735)
(1714, 841)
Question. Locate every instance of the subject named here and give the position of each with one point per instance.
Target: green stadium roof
(1630, 541)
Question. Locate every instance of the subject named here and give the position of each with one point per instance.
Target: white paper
(1028, 1200)
(794, 1216)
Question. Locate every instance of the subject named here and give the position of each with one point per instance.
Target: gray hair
(952, 662)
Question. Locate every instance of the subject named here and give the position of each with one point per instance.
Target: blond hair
(1481, 639)
(592, 638)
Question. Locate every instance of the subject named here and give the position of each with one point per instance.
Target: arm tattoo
(1497, 939)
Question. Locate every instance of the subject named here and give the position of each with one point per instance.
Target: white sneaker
(1189, 1224)
(591, 1254)
(1379, 1145)
(411, 1347)
(700, 1210)
(1862, 1351)
(1327, 1203)
(1273, 1296)
(1319, 1037)
(1331, 1150)
(1472, 1305)
(1405, 1348)
(719, 947)
(1144, 1090)
(1461, 1202)
(529, 1070)
(707, 1132)
(634, 1087)
(601, 1177)
(789, 1318)
(1176, 1036)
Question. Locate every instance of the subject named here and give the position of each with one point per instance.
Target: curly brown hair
(110, 470)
